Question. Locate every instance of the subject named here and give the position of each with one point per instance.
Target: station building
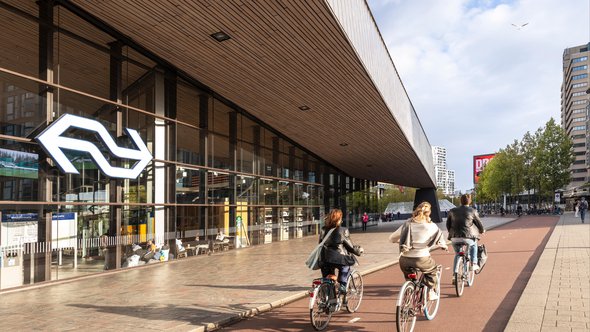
(123, 122)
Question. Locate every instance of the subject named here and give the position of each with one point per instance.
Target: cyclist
(338, 249)
(464, 226)
(416, 236)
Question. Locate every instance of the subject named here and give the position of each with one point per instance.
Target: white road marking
(354, 320)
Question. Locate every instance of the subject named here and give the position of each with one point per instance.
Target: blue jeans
(472, 251)
(582, 214)
(343, 271)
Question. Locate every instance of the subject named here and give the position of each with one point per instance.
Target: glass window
(20, 42)
(245, 157)
(577, 68)
(187, 145)
(579, 119)
(580, 59)
(268, 192)
(218, 188)
(19, 171)
(578, 77)
(190, 224)
(246, 190)
(21, 111)
(285, 193)
(579, 85)
(188, 182)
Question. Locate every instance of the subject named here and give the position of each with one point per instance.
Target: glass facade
(215, 169)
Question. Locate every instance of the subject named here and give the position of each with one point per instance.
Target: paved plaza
(203, 292)
(557, 296)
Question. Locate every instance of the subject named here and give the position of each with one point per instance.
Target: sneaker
(432, 296)
(453, 281)
(474, 267)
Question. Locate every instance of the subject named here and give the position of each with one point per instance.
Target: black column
(114, 253)
(233, 144)
(42, 260)
(429, 195)
(204, 128)
(170, 112)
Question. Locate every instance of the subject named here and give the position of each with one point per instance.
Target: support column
(233, 144)
(42, 260)
(203, 143)
(159, 153)
(114, 252)
(170, 111)
(429, 195)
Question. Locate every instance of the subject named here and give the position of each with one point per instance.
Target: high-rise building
(445, 179)
(574, 109)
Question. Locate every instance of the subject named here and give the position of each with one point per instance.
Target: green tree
(554, 156)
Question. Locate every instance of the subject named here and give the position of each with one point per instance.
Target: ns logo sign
(54, 144)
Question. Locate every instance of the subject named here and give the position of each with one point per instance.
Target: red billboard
(479, 163)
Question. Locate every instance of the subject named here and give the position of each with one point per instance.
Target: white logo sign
(52, 141)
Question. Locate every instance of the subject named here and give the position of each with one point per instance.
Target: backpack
(584, 205)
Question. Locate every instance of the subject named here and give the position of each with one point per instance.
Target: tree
(554, 156)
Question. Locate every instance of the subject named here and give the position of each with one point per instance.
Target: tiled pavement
(192, 294)
(557, 296)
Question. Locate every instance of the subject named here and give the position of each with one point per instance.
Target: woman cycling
(416, 237)
(338, 249)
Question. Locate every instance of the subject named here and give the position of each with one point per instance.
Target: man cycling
(464, 226)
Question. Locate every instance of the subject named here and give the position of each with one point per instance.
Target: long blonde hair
(423, 210)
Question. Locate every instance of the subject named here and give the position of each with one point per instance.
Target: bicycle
(413, 300)
(325, 299)
(463, 273)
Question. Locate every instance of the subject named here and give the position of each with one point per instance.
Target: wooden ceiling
(281, 55)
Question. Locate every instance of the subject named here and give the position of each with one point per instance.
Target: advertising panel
(479, 163)
(19, 164)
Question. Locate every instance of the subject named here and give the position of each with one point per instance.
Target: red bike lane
(513, 249)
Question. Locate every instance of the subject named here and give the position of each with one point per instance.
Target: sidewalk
(557, 296)
(194, 294)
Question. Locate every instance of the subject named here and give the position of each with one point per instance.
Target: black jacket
(463, 221)
(338, 249)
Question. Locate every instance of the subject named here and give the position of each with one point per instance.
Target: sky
(476, 81)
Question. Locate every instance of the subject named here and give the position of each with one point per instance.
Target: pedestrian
(365, 221)
(576, 207)
(583, 208)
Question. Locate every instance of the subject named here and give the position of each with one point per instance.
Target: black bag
(482, 255)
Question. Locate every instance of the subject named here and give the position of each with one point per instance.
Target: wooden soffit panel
(282, 55)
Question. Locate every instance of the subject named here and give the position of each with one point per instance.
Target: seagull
(519, 26)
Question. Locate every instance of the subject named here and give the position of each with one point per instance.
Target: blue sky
(476, 81)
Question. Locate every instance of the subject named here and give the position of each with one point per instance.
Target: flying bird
(519, 26)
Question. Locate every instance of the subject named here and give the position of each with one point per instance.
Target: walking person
(365, 221)
(576, 208)
(464, 226)
(583, 206)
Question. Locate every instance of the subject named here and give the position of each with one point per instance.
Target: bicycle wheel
(470, 274)
(405, 316)
(460, 276)
(431, 307)
(354, 291)
(320, 312)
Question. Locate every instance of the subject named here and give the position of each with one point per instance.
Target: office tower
(445, 179)
(574, 109)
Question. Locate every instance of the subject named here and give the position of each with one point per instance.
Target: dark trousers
(343, 271)
(364, 226)
(425, 264)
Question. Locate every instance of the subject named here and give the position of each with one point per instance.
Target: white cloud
(477, 82)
